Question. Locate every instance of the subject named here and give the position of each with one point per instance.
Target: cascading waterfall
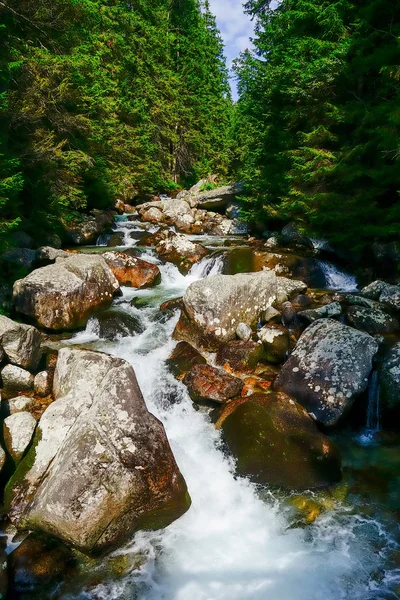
(337, 279)
(233, 543)
(373, 408)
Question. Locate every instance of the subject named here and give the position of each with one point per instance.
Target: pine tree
(318, 118)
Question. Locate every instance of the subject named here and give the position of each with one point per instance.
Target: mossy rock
(275, 442)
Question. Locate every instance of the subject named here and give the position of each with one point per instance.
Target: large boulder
(383, 292)
(214, 307)
(219, 197)
(179, 250)
(132, 271)
(100, 467)
(275, 442)
(66, 294)
(372, 320)
(208, 383)
(183, 358)
(21, 343)
(328, 369)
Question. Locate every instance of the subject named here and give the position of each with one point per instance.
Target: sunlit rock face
(65, 295)
(100, 467)
(214, 307)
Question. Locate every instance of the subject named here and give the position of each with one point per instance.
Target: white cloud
(236, 29)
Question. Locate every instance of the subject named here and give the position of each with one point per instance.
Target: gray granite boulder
(328, 369)
(66, 294)
(214, 307)
(100, 467)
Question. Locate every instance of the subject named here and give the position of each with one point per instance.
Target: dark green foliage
(103, 99)
(318, 120)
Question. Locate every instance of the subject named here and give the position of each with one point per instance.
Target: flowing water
(238, 541)
(336, 279)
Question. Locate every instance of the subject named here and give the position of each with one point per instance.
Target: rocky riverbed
(189, 412)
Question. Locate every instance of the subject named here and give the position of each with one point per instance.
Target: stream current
(239, 541)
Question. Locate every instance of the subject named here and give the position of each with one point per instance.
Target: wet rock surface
(275, 442)
(183, 358)
(208, 383)
(328, 369)
(276, 343)
(132, 271)
(240, 355)
(113, 324)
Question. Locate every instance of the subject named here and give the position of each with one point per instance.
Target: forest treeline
(318, 129)
(105, 99)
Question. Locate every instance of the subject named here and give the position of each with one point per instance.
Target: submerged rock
(214, 307)
(21, 343)
(100, 467)
(275, 442)
(208, 383)
(66, 294)
(183, 358)
(328, 369)
(132, 271)
(114, 324)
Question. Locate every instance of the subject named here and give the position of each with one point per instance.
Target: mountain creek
(294, 495)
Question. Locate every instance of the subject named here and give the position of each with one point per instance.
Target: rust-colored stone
(208, 383)
(132, 271)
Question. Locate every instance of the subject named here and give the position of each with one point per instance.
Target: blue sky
(235, 26)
